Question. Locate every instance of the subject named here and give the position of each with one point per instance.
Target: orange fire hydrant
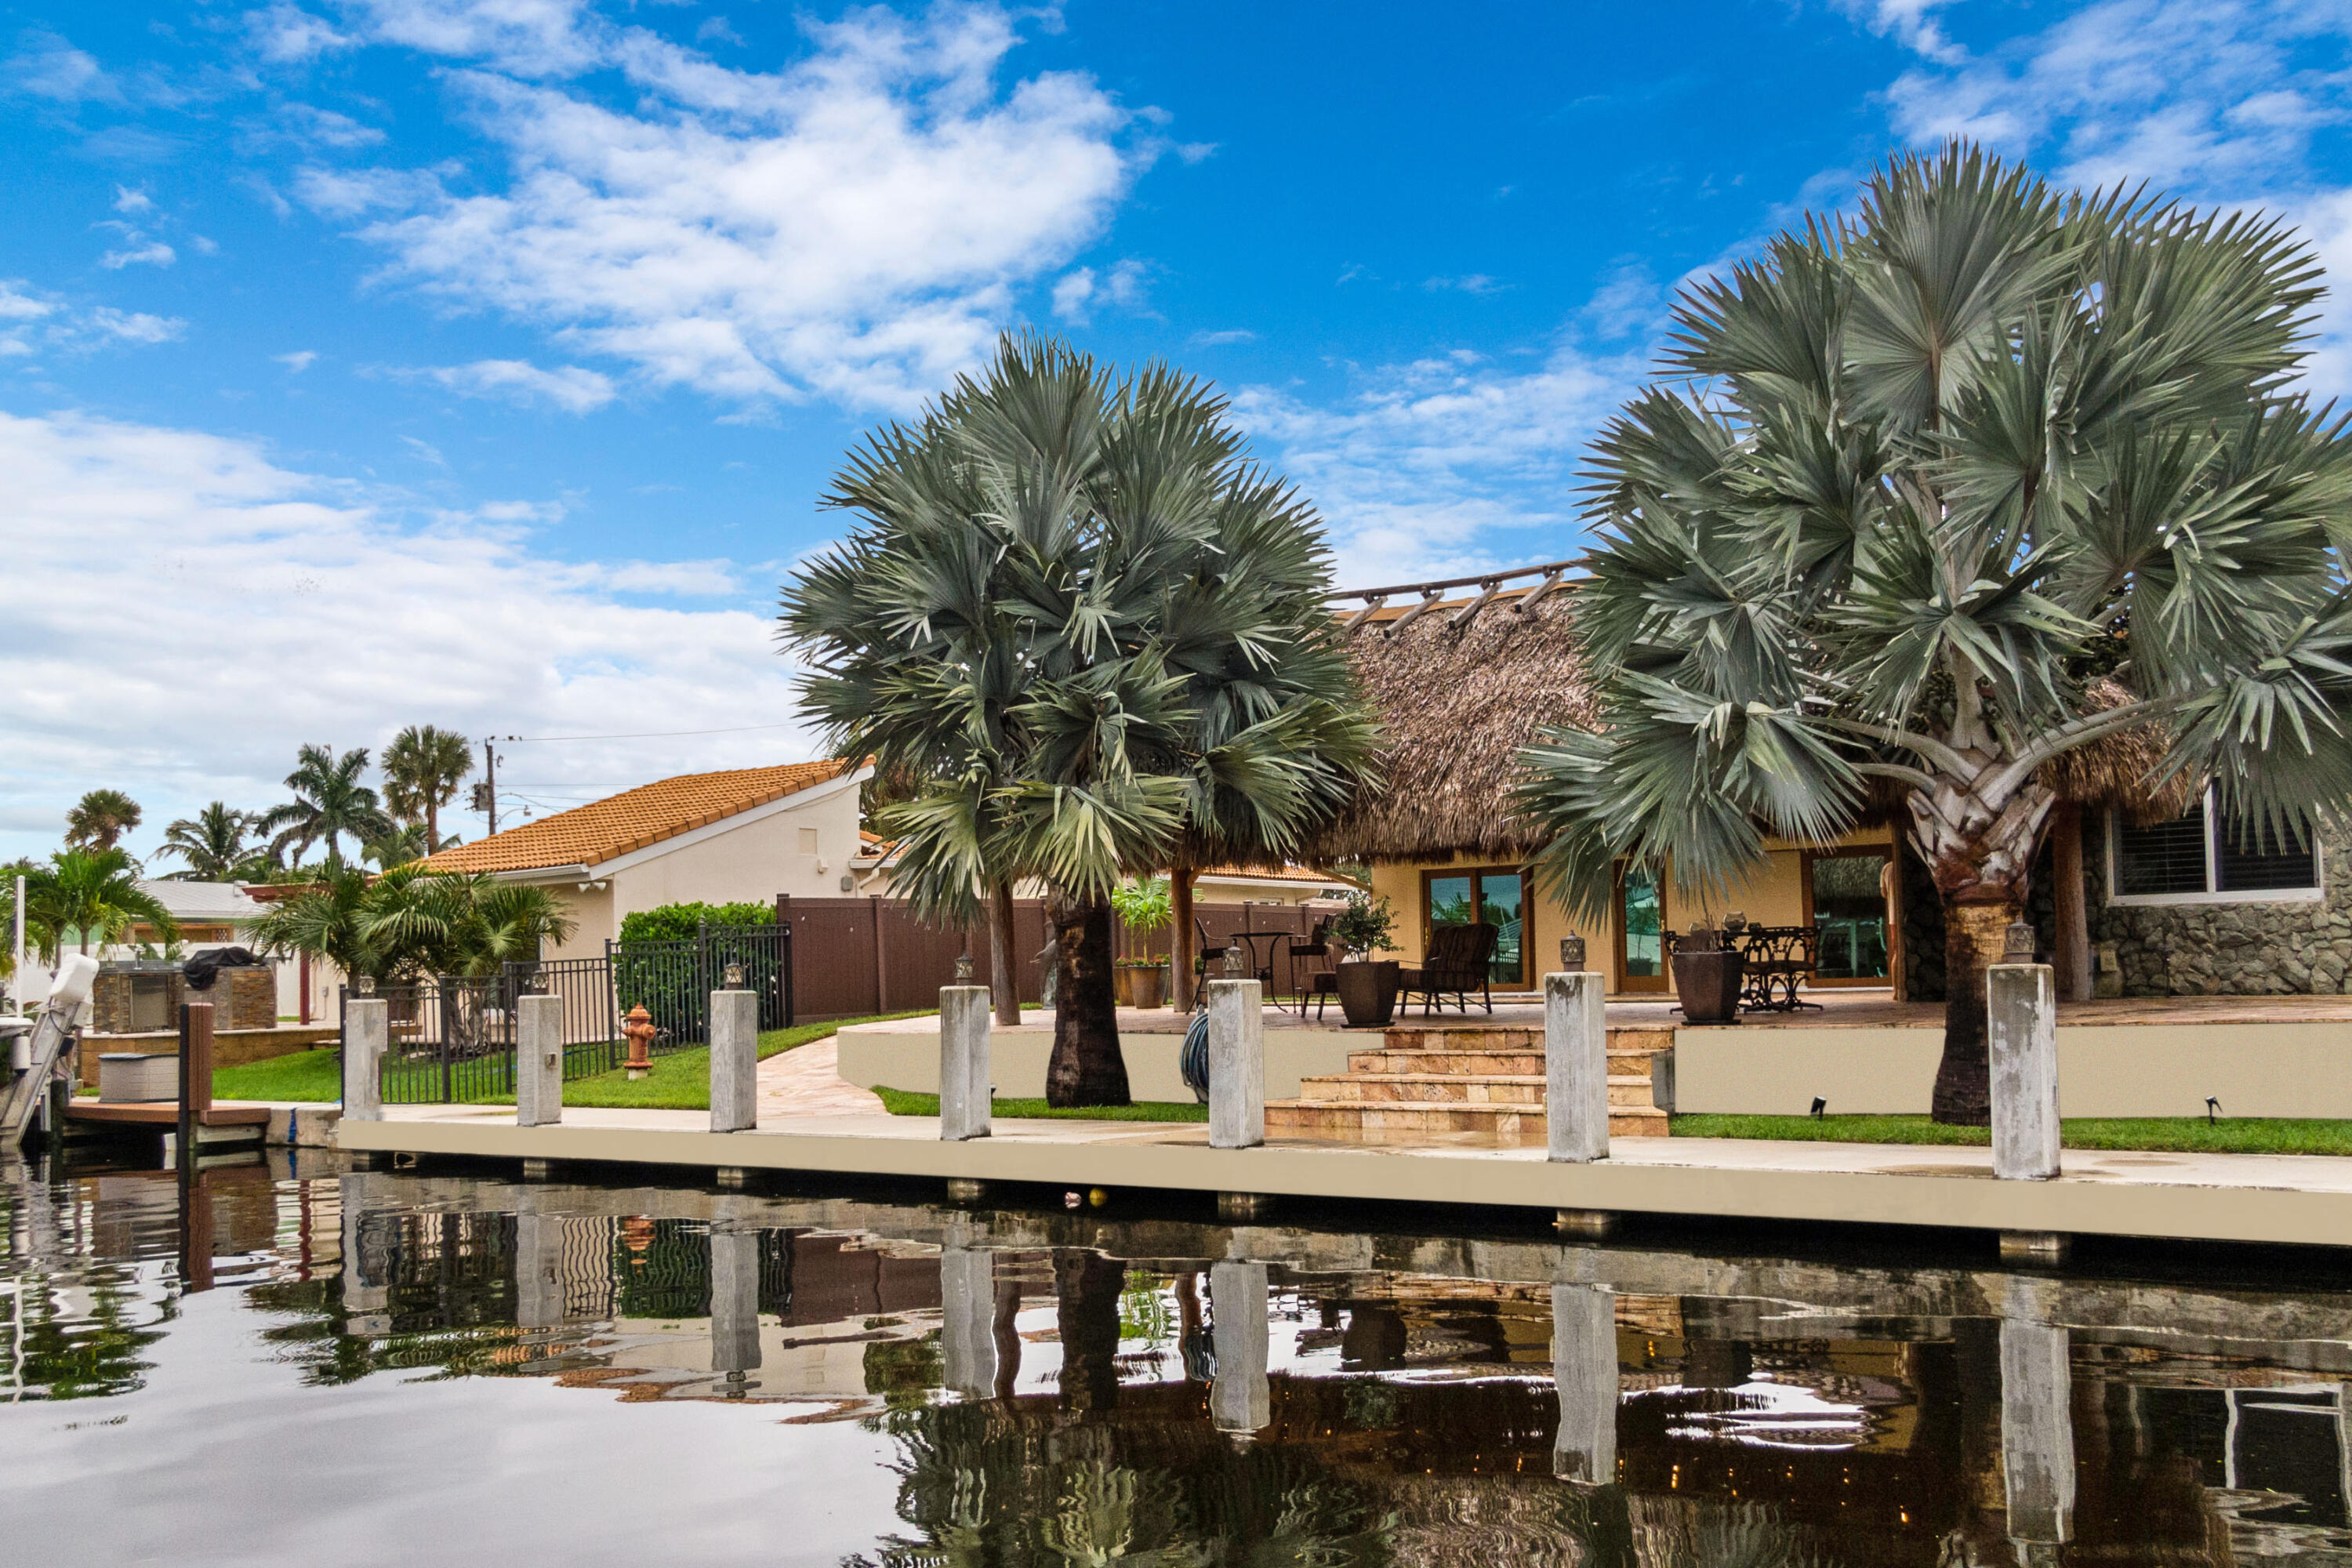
(638, 1027)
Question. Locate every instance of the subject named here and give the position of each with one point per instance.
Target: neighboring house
(1461, 675)
(744, 835)
(221, 914)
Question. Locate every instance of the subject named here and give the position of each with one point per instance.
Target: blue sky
(479, 362)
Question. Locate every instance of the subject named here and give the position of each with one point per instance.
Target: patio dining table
(1261, 960)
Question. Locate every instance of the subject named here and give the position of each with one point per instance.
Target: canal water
(284, 1363)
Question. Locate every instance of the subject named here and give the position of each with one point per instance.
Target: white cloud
(340, 625)
(30, 322)
(1911, 22)
(427, 450)
(1076, 292)
(299, 361)
(328, 128)
(856, 225)
(1072, 291)
(1468, 283)
(1218, 338)
(2216, 100)
(1446, 465)
(569, 387)
(286, 34)
(46, 66)
(128, 200)
(138, 250)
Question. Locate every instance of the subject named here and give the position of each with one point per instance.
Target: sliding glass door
(1493, 898)
(1641, 932)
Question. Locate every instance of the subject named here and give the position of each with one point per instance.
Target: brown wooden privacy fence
(855, 957)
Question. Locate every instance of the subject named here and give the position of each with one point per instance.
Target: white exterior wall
(751, 862)
(594, 911)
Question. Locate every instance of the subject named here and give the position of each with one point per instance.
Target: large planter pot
(1144, 986)
(1706, 981)
(1368, 992)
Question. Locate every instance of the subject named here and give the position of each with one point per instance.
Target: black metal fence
(452, 1038)
(673, 980)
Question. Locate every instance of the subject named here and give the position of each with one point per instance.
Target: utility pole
(490, 768)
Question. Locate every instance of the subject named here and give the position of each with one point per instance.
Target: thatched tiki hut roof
(1460, 684)
(1462, 674)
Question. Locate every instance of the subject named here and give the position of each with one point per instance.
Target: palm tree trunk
(1181, 936)
(1003, 956)
(432, 824)
(1087, 1287)
(1085, 1067)
(1974, 935)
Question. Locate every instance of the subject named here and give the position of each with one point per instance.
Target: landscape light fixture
(363, 984)
(963, 969)
(735, 977)
(1820, 1105)
(2212, 1109)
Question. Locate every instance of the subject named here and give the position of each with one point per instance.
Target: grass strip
(2154, 1135)
(679, 1081)
(908, 1102)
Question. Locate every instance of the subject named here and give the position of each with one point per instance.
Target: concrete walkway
(806, 1081)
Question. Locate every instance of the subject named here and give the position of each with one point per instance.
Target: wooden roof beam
(1429, 598)
(1469, 611)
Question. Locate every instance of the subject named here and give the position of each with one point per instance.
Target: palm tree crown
(422, 770)
(89, 894)
(99, 819)
(1918, 479)
(329, 801)
(212, 843)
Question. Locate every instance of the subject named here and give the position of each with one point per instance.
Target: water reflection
(1053, 1388)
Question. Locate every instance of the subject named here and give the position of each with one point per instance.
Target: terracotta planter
(1706, 981)
(1368, 992)
(1143, 987)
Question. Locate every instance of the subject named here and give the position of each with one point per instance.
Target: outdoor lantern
(1237, 964)
(537, 984)
(2017, 943)
(963, 969)
(363, 984)
(1571, 954)
(735, 977)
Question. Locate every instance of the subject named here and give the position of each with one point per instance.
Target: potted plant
(1368, 986)
(1708, 973)
(1143, 906)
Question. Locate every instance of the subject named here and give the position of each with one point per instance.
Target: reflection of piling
(734, 1299)
(1584, 1371)
(2037, 1431)
(1240, 1401)
(967, 1322)
(366, 1289)
(539, 1265)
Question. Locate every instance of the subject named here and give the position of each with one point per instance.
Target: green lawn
(906, 1102)
(679, 1081)
(2164, 1134)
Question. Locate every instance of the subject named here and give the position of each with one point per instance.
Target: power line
(652, 734)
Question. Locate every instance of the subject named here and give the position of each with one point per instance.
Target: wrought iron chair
(1777, 960)
(1460, 960)
(1314, 953)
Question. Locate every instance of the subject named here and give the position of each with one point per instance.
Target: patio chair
(1460, 960)
(1313, 953)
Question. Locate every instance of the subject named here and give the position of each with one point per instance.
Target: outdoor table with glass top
(1262, 962)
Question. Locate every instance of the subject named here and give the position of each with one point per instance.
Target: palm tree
(329, 801)
(397, 846)
(99, 819)
(1078, 631)
(410, 922)
(422, 770)
(1926, 475)
(212, 841)
(90, 893)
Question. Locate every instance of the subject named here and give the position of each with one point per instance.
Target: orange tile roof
(605, 829)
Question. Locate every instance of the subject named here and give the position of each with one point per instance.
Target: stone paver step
(1497, 1089)
(1626, 1063)
(1359, 1118)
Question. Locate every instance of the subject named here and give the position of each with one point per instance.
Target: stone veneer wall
(2234, 949)
(244, 998)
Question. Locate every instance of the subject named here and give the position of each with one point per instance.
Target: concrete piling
(734, 1061)
(2021, 1022)
(1241, 1401)
(367, 1026)
(1576, 1068)
(1584, 1370)
(1236, 1064)
(539, 1061)
(965, 1094)
(967, 1321)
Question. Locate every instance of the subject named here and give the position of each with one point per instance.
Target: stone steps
(1452, 1078)
(1491, 1089)
(1526, 1122)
